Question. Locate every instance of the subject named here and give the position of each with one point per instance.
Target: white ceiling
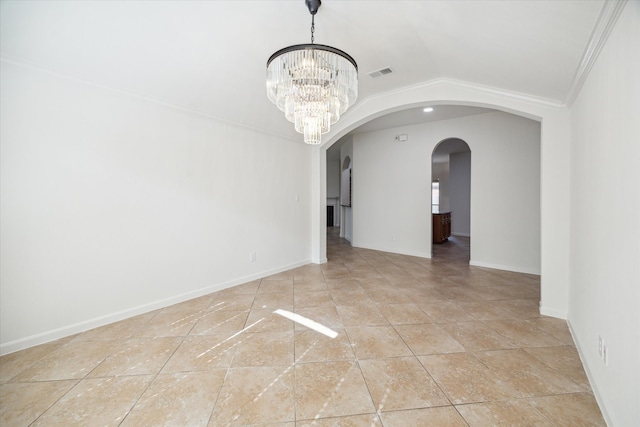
(210, 56)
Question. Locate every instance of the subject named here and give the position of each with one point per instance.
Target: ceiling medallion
(312, 84)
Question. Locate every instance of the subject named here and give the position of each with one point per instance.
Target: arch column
(319, 205)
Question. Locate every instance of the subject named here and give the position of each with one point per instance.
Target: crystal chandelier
(312, 84)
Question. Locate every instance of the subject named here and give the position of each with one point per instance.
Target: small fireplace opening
(329, 216)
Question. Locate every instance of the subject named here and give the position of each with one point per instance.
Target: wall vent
(380, 72)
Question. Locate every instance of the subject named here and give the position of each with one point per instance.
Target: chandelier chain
(313, 27)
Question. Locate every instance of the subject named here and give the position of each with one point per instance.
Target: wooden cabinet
(441, 227)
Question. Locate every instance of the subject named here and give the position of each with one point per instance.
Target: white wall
(460, 198)
(333, 178)
(392, 189)
(333, 189)
(346, 220)
(113, 205)
(605, 221)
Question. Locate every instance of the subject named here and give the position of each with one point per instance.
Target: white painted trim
(476, 95)
(503, 267)
(395, 251)
(592, 382)
(44, 337)
(532, 99)
(607, 19)
(490, 90)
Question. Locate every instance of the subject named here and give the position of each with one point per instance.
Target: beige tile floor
(419, 343)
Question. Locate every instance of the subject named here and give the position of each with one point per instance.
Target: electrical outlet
(603, 351)
(252, 257)
(393, 237)
(600, 346)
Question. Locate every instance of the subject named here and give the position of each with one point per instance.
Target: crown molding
(505, 93)
(16, 62)
(607, 19)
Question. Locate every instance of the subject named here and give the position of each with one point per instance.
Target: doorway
(451, 199)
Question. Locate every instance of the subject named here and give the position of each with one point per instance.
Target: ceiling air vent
(380, 72)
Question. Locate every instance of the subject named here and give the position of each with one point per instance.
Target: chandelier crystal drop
(312, 84)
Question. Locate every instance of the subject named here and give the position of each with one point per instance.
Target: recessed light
(428, 109)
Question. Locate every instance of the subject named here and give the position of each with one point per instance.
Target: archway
(554, 178)
(451, 199)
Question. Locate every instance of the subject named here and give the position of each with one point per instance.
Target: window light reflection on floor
(230, 338)
(307, 322)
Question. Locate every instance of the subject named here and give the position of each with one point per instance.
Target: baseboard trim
(54, 334)
(395, 251)
(504, 267)
(460, 234)
(552, 312)
(592, 383)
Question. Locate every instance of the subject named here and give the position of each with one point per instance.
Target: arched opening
(451, 200)
(553, 155)
(392, 208)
